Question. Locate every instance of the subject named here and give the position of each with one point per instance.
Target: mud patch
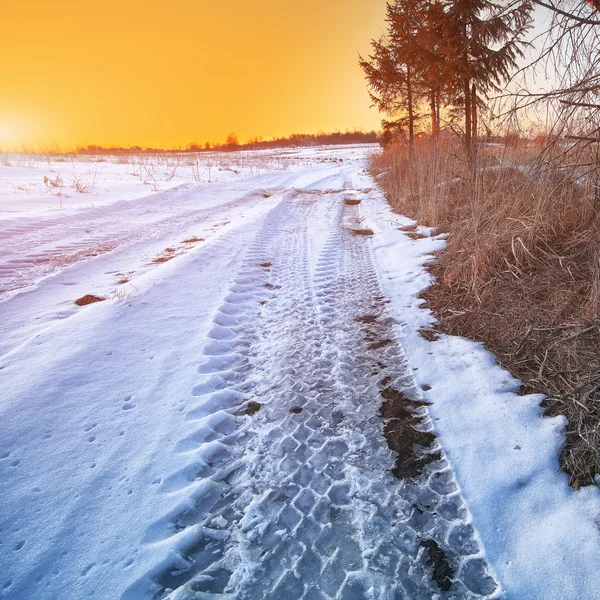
(374, 341)
(401, 428)
(367, 319)
(265, 265)
(351, 202)
(443, 573)
(376, 345)
(403, 418)
(296, 410)
(271, 286)
(88, 299)
(252, 408)
(192, 240)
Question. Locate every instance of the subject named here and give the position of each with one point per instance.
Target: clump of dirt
(123, 281)
(351, 202)
(252, 408)
(443, 573)
(170, 250)
(416, 236)
(265, 265)
(401, 423)
(296, 410)
(265, 195)
(363, 232)
(271, 286)
(192, 240)
(88, 299)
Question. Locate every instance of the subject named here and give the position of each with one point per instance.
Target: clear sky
(168, 72)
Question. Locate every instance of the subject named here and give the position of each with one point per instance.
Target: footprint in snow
(127, 403)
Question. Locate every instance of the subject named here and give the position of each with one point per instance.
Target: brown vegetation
(521, 271)
(88, 299)
(364, 232)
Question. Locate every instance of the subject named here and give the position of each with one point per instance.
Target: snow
(128, 466)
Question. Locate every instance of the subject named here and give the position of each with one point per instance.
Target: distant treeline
(232, 144)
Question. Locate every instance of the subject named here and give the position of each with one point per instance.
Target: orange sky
(165, 73)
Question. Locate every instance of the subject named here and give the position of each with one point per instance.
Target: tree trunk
(437, 112)
(468, 116)
(411, 116)
(434, 123)
(474, 114)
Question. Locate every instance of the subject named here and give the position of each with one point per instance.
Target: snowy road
(257, 415)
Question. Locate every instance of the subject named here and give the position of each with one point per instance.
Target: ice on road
(252, 413)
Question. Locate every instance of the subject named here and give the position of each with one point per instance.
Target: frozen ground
(252, 412)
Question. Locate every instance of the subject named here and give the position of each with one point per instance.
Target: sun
(12, 131)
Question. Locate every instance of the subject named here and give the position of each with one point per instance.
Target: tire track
(304, 499)
(31, 252)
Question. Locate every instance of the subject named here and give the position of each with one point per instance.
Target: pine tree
(444, 51)
(393, 69)
(483, 43)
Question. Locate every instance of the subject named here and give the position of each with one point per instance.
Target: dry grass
(364, 232)
(521, 272)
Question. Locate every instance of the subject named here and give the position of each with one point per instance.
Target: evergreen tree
(483, 43)
(444, 52)
(393, 69)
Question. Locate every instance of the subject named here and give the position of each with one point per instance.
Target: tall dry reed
(521, 271)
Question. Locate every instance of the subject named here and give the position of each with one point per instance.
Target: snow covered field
(213, 427)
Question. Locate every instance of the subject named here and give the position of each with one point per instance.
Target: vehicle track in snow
(33, 250)
(291, 488)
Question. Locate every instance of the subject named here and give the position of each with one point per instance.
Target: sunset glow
(164, 74)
